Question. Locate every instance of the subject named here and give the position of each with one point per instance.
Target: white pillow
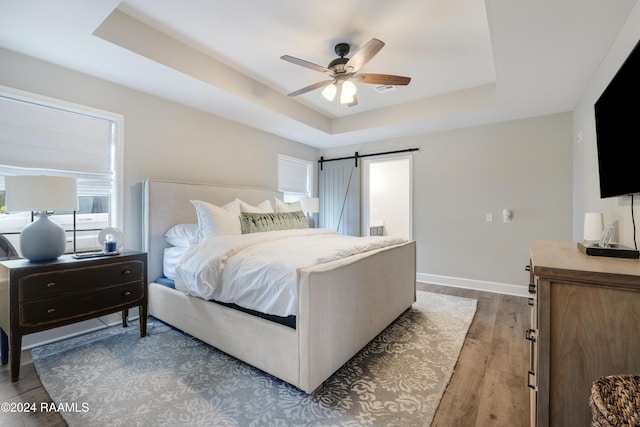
(182, 235)
(233, 206)
(170, 261)
(287, 207)
(217, 221)
(264, 207)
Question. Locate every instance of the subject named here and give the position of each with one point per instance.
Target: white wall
(389, 195)
(461, 175)
(616, 210)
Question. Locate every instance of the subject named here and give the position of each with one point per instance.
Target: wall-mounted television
(617, 114)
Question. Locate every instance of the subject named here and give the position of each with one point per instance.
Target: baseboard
(478, 285)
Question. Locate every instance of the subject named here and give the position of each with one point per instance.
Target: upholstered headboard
(168, 203)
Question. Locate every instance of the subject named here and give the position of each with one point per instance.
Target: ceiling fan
(343, 70)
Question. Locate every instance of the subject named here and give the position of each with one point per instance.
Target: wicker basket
(615, 401)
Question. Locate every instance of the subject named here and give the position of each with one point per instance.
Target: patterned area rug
(114, 378)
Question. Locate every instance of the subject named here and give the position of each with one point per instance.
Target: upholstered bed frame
(342, 304)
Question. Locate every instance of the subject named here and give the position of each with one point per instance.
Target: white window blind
(37, 138)
(294, 175)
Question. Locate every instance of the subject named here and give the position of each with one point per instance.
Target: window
(295, 178)
(43, 136)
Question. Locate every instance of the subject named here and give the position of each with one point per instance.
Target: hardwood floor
(488, 387)
(29, 391)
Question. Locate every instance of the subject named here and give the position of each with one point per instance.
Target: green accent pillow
(255, 222)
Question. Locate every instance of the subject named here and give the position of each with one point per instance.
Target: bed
(342, 304)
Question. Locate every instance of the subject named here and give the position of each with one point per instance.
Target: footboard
(344, 304)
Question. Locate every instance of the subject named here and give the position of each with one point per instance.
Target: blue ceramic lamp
(43, 239)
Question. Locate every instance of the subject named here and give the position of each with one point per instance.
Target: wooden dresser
(39, 296)
(585, 323)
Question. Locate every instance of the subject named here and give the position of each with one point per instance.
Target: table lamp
(310, 205)
(43, 239)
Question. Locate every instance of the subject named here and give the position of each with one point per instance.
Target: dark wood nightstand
(36, 296)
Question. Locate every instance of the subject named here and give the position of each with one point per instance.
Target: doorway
(388, 197)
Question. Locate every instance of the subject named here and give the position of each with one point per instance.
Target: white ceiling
(471, 61)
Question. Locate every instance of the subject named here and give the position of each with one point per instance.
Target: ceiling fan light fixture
(342, 69)
(348, 92)
(329, 92)
(346, 99)
(348, 88)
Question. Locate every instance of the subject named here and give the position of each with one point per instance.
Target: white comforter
(259, 270)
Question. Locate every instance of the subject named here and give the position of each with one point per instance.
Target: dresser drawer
(53, 310)
(54, 283)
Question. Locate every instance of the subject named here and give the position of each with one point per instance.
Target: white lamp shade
(329, 92)
(310, 204)
(40, 193)
(593, 226)
(348, 88)
(348, 92)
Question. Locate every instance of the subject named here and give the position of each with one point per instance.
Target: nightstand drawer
(53, 310)
(54, 283)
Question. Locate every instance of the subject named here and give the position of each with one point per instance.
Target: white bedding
(172, 257)
(258, 271)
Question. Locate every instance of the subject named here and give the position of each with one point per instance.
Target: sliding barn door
(339, 191)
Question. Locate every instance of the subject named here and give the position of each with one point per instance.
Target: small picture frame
(607, 233)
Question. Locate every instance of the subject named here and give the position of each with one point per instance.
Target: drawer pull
(530, 335)
(127, 293)
(529, 384)
(125, 272)
(51, 284)
(51, 311)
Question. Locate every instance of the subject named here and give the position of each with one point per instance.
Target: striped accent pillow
(256, 222)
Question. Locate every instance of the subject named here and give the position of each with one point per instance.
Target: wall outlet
(489, 217)
(507, 215)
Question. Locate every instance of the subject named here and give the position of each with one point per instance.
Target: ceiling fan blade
(383, 79)
(364, 55)
(306, 64)
(310, 88)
